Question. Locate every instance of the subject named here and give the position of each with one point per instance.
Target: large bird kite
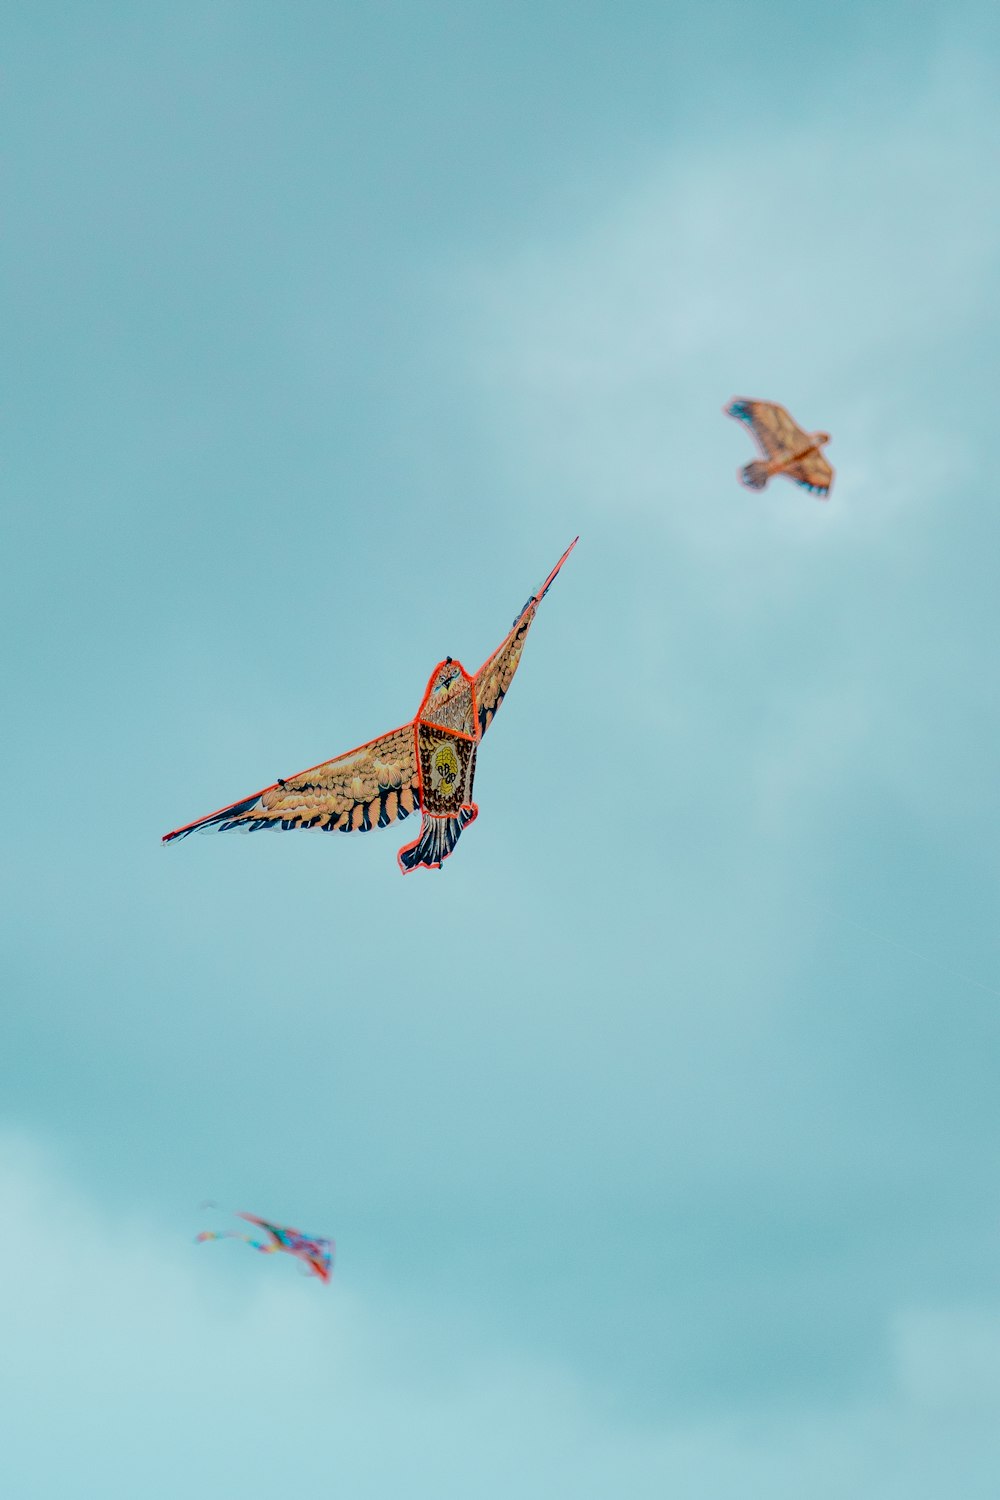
(786, 448)
(428, 763)
(315, 1252)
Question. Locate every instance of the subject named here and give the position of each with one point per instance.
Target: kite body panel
(447, 767)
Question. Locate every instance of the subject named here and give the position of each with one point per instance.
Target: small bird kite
(428, 763)
(315, 1253)
(786, 448)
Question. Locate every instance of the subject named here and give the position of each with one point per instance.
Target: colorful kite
(315, 1253)
(786, 448)
(428, 763)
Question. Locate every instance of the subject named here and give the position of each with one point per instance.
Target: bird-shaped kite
(427, 764)
(786, 448)
(315, 1252)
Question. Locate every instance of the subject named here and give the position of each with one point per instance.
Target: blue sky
(658, 1133)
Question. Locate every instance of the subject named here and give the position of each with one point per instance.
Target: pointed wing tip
(737, 407)
(552, 576)
(566, 554)
(176, 834)
(212, 822)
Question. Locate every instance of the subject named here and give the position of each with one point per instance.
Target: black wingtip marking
(220, 822)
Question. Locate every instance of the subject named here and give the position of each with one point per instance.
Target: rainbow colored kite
(315, 1253)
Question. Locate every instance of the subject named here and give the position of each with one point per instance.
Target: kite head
(447, 679)
(821, 438)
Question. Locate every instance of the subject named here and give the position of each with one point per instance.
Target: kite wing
(274, 1230)
(775, 434)
(812, 473)
(370, 787)
(497, 672)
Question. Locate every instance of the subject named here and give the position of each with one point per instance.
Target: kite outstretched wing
(813, 473)
(369, 787)
(494, 677)
(775, 434)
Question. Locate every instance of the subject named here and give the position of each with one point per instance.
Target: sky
(658, 1132)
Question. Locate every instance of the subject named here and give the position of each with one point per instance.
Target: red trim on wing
(206, 817)
(457, 734)
(535, 598)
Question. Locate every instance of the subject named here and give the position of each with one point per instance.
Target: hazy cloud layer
(185, 1368)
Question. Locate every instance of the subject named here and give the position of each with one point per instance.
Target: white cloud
(948, 1358)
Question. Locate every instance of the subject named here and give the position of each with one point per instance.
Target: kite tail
(232, 1234)
(438, 837)
(755, 475)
